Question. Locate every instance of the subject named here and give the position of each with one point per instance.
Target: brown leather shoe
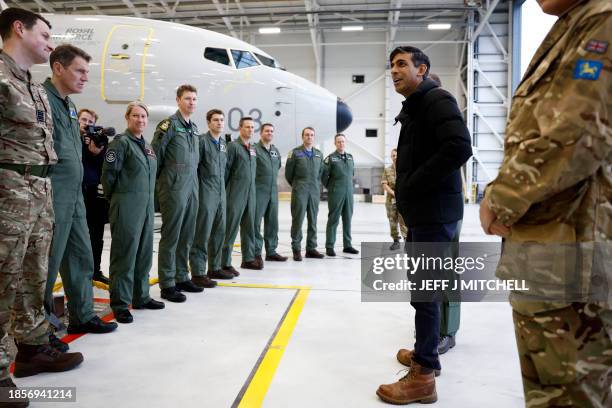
(224, 273)
(33, 359)
(203, 281)
(259, 261)
(418, 385)
(276, 258)
(297, 256)
(313, 253)
(251, 265)
(405, 357)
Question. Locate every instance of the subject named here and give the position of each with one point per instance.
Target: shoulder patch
(326, 160)
(597, 46)
(290, 154)
(111, 156)
(588, 69)
(164, 125)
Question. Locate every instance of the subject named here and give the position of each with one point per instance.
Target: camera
(99, 135)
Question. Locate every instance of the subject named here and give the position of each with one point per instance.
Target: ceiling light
(269, 30)
(439, 26)
(352, 28)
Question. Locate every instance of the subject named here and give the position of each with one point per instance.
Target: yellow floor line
(258, 387)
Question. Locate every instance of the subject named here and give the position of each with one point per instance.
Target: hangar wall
(363, 53)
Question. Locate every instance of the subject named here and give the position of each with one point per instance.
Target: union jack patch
(597, 46)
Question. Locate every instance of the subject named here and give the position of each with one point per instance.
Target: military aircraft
(141, 59)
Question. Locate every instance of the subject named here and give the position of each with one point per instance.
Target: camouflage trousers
(566, 356)
(26, 228)
(394, 219)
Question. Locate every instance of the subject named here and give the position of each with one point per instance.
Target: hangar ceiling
(241, 18)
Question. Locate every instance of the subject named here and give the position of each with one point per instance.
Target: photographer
(94, 148)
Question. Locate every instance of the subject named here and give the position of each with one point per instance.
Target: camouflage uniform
(26, 209)
(388, 177)
(554, 191)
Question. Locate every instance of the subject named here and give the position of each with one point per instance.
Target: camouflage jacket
(554, 187)
(388, 178)
(26, 127)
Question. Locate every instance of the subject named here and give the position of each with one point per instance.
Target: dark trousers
(97, 217)
(427, 314)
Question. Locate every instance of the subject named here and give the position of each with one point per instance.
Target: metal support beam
(393, 20)
(225, 19)
(132, 8)
(484, 19)
(41, 4)
(315, 37)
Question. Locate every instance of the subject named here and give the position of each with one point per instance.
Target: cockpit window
(217, 54)
(244, 59)
(269, 62)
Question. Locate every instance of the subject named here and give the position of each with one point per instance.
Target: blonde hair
(134, 104)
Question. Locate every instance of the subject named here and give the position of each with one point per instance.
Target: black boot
(173, 295)
(124, 316)
(95, 325)
(99, 277)
(189, 286)
(446, 343)
(329, 252)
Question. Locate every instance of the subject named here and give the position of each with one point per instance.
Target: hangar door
(123, 63)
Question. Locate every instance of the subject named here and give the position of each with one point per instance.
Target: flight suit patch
(111, 156)
(290, 154)
(252, 151)
(73, 113)
(222, 148)
(588, 69)
(326, 160)
(149, 152)
(164, 125)
(273, 153)
(597, 46)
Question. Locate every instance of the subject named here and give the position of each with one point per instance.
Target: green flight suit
(268, 164)
(450, 312)
(240, 190)
(176, 145)
(210, 225)
(337, 177)
(71, 252)
(303, 174)
(128, 178)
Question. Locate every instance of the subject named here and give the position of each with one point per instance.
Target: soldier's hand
(487, 217)
(499, 229)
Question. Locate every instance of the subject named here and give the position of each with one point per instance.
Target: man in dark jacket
(434, 143)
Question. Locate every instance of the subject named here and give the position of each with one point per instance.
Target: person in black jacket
(434, 143)
(96, 205)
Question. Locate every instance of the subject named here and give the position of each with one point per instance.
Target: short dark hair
(91, 112)
(65, 54)
(418, 56)
(12, 14)
(185, 88)
(212, 112)
(244, 119)
(308, 127)
(265, 125)
(338, 135)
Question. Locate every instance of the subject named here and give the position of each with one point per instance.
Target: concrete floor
(203, 353)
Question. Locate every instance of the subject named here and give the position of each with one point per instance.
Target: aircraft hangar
(303, 334)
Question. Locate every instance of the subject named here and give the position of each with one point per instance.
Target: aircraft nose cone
(344, 116)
